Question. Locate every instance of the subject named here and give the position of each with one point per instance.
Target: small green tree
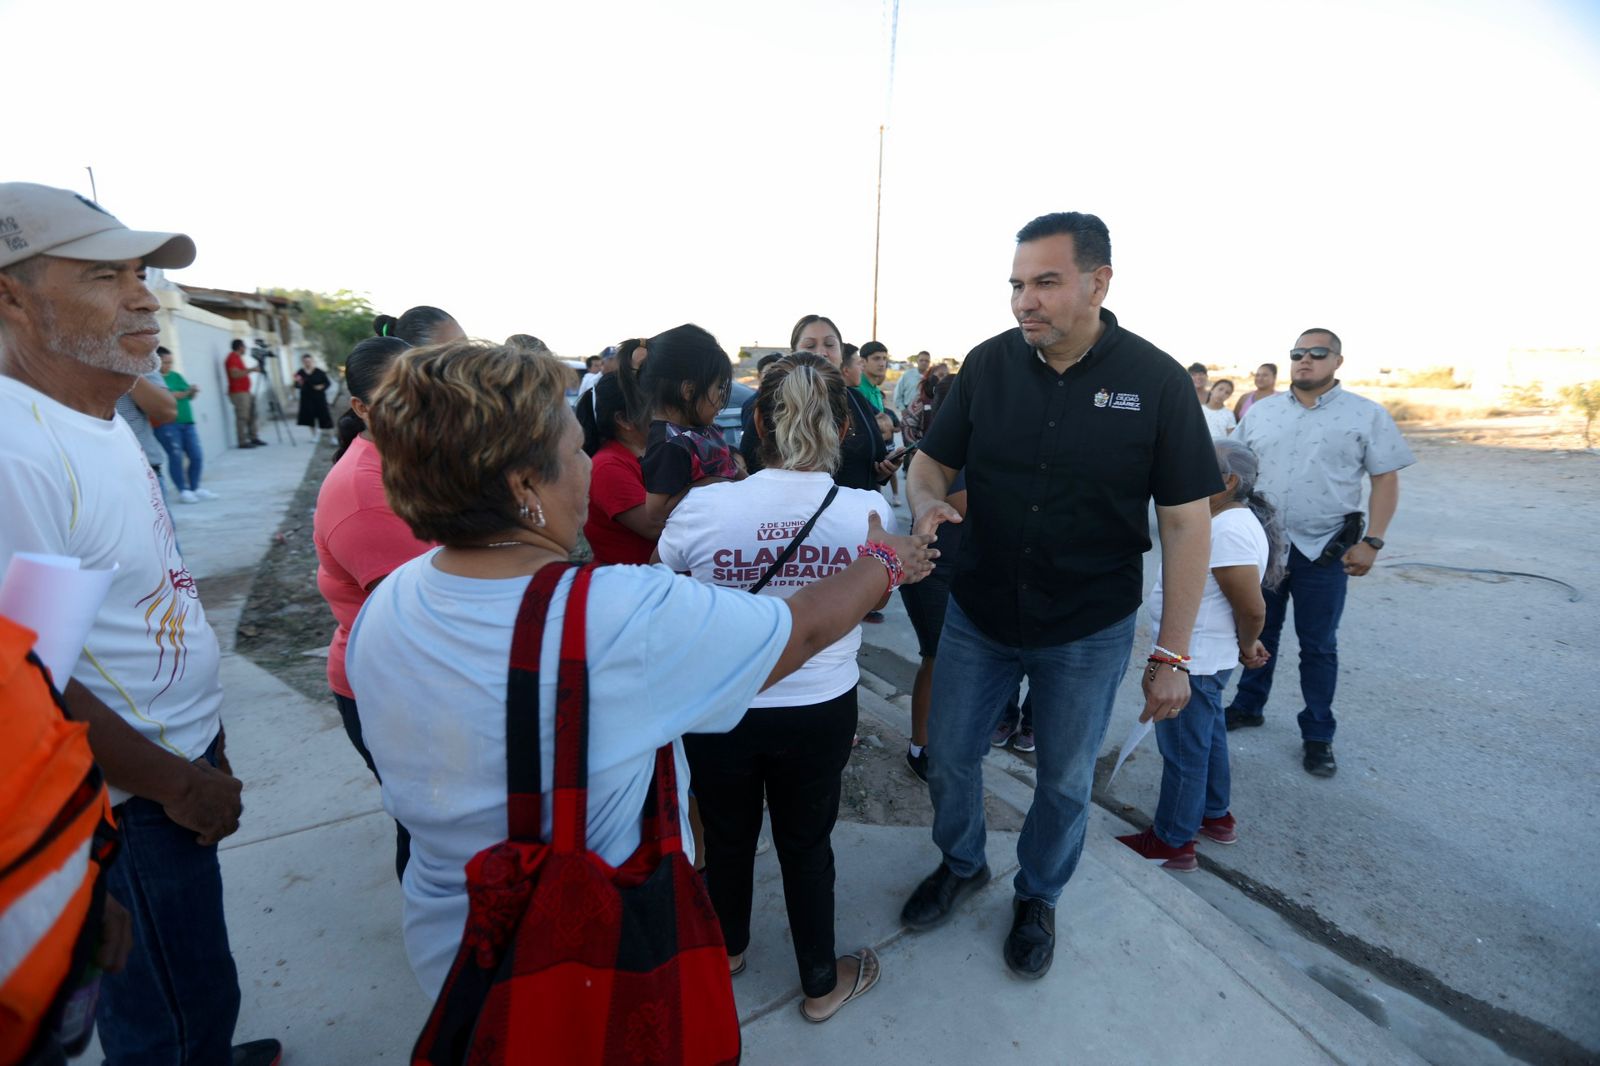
(335, 321)
(1585, 399)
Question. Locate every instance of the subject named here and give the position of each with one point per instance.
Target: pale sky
(1420, 176)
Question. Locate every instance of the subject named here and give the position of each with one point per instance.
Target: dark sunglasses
(1297, 354)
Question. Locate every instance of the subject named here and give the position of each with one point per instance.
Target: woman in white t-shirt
(795, 742)
(1245, 549)
(1218, 417)
(482, 454)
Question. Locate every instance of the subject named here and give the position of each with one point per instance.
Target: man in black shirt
(1065, 428)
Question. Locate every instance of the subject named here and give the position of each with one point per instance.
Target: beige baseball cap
(40, 220)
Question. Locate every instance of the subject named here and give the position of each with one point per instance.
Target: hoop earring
(538, 516)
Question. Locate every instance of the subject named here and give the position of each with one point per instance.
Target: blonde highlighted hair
(801, 406)
(451, 421)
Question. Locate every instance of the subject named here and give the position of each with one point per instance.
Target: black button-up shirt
(1060, 472)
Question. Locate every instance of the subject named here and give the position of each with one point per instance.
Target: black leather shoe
(1031, 944)
(258, 1053)
(1319, 758)
(930, 905)
(1234, 718)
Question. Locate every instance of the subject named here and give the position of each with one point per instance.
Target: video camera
(261, 353)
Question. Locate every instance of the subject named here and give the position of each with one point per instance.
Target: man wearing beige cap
(77, 328)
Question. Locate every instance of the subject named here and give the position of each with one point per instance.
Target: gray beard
(101, 352)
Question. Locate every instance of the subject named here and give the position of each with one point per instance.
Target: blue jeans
(1194, 754)
(176, 1002)
(181, 441)
(1318, 593)
(1074, 686)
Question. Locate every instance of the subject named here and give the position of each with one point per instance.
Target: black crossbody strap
(794, 545)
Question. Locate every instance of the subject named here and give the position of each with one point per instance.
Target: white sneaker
(205, 494)
(188, 497)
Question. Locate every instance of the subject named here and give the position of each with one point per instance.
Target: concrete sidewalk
(1145, 971)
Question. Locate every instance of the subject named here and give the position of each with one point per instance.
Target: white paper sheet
(1139, 731)
(57, 599)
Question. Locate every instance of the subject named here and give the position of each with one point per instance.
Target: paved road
(1456, 853)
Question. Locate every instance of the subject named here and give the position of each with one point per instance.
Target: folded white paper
(57, 599)
(1139, 731)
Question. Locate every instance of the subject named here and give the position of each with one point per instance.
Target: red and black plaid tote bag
(565, 959)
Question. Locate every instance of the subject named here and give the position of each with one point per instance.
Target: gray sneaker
(1024, 739)
(1002, 733)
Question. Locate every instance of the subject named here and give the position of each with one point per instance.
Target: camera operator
(240, 394)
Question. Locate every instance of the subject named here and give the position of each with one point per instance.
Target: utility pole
(877, 235)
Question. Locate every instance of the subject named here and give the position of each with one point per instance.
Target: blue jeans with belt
(178, 999)
(1318, 593)
(1073, 686)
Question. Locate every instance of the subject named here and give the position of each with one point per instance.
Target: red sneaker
(1155, 849)
(1221, 830)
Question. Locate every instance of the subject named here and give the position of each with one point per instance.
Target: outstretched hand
(932, 515)
(914, 550)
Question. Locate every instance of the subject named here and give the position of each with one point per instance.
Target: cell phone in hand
(903, 453)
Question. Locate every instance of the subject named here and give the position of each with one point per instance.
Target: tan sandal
(868, 970)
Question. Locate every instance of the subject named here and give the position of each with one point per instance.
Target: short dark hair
(872, 348)
(1091, 241)
(162, 351)
(847, 355)
(767, 360)
(414, 327)
(591, 361)
(1269, 366)
(1337, 345)
(1199, 368)
(237, 345)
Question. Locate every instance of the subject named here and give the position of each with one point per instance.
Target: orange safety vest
(56, 836)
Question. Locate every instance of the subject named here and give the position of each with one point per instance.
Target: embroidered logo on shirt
(1125, 401)
(1102, 397)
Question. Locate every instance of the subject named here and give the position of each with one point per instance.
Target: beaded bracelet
(885, 555)
(1154, 665)
(1160, 654)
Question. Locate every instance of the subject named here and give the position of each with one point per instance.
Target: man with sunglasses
(1315, 442)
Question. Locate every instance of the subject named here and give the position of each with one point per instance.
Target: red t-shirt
(359, 540)
(235, 361)
(615, 485)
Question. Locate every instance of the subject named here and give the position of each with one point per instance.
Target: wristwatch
(1376, 542)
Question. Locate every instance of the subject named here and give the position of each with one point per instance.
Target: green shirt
(871, 393)
(175, 383)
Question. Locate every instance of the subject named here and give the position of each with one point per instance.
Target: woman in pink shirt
(360, 541)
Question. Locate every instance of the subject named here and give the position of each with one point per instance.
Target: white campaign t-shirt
(427, 661)
(73, 484)
(1237, 539)
(730, 533)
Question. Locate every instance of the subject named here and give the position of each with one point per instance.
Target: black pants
(796, 756)
(352, 729)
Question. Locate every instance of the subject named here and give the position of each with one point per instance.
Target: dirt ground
(286, 625)
(880, 789)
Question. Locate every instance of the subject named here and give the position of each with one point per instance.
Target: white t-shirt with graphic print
(73, 484)
(729, 533)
